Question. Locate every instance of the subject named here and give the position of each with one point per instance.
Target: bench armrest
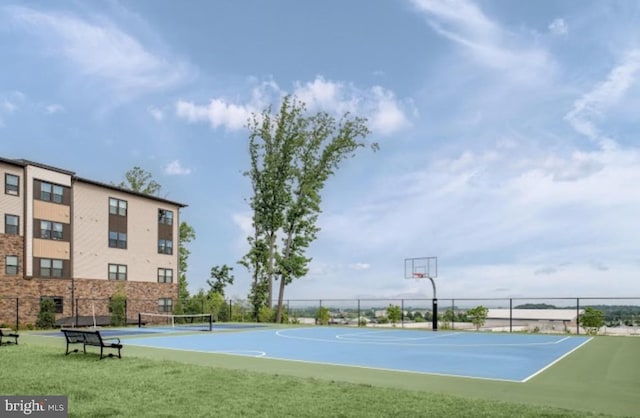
(111, 338)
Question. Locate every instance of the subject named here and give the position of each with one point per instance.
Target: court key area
(506, 357)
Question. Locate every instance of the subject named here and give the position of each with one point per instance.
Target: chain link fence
(620, 316)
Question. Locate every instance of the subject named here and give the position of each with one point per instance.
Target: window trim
(120, 208)
(54, 194)
(48, 230)
(6, 224)
(120, 240)
(7, 265)
(117, 273)
(9, 188)
(163, 219)
(163, 276)
(53, 271)
(163, 248)
(164, 303)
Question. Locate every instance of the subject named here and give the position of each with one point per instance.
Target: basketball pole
(434, 320)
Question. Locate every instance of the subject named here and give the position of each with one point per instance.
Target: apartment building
(79, 242)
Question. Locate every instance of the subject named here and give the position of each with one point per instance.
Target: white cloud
(379, 105)
(99, 49)
(156, 113)
(558, 27)
(174, 168)
(360, 266)
(462, 22)
(7, 106)
(53, 108)
(592, 106)
(218, 113)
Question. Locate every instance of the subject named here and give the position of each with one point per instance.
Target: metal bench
(92, 338)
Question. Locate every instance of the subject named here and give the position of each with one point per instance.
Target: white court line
(357, 336)
(338, 340)
(556, 360)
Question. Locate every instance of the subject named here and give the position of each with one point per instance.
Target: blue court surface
(508, 357)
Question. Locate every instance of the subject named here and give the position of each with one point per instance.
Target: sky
(508, 131)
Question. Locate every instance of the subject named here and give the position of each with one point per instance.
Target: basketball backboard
(420, 267)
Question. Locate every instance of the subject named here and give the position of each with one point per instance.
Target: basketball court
(506, 357)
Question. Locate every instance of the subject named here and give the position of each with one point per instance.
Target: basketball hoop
(418, 275)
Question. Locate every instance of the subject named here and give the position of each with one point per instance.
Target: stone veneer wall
(92, 297)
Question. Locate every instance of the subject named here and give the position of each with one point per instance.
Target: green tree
(592, 320)
(323, 316)
(478, 316)
(394, 313)
(187, 234)
(140, 181)
(222, 277)
(448, 318)
(292, 156)
(47, 314)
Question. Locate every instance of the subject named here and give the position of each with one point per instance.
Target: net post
(210, 322)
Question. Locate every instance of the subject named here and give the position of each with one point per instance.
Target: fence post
(577, 316)
(453, 313)
(402, 312)
(510, 314)
(358, 313)
(17, 314)
(76, 315)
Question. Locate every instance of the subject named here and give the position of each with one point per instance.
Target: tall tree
(141, 181)
(222, 277)
(292, 156)
(187, 234)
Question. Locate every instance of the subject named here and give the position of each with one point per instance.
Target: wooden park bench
(91, 337)
(8, 333)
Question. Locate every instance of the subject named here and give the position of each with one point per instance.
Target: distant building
(79, 241)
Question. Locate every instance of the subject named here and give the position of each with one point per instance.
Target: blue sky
(508, 130)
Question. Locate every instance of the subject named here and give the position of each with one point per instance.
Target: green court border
(603, 376)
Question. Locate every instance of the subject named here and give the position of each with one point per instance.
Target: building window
(50, 267)
(165, 305)
(11, 184)
(51, 192)
(11, 224)
(165, 246)
(51, 230)
(117, 239)
(117, 272)
(165, 275)
(117, 207)
(165, 217)
(57, 300)
(11, 265)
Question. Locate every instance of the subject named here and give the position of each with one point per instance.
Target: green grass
(601, 378)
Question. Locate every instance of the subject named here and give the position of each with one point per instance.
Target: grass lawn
(163, 383)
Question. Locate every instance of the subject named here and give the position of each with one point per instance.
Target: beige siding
(10, 204)
(44, 248)
(51, 212)
(45, 175)
(91, 252)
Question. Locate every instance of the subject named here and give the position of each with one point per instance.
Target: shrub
(47, 314)
(118, 308)
(323, 316)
